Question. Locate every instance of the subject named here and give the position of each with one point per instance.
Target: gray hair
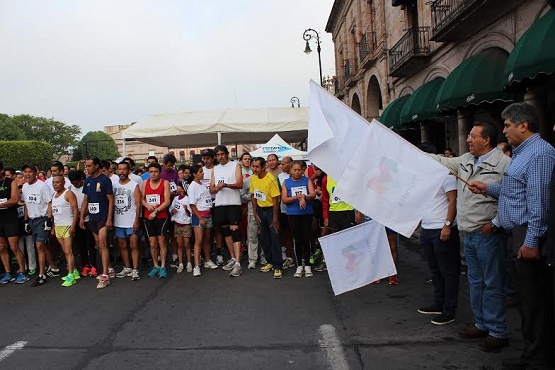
(522, 112)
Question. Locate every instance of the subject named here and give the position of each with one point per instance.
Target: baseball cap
(207, 153)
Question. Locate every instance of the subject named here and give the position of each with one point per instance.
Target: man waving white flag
(384, 176)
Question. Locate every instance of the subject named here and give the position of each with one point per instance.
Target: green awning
(391, 115)
(476, 80)
(534, 53)
(421, 105)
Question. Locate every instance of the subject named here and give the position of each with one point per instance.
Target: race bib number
(207, 200)
(33, 198)
(205, 183)
(259, 195)
(56, 210)
(173, 187)
(223, 179)
(177, 206)
(335, 199)
(3, 200)
(121, 200)
(20, 212)
(94, 208)
(296, 190)
(153, 199)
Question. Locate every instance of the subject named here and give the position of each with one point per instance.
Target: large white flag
(357, 256)
(382, 174)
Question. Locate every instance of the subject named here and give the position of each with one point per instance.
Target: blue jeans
(444, 261)
(485, 257)
(268, 238)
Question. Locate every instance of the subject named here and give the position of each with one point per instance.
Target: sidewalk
(382, 324)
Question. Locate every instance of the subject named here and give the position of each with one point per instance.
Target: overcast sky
(95, 63)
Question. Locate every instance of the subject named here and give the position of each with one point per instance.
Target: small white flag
(357, 256)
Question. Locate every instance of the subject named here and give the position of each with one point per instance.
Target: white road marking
(330, 344)
(8, 350)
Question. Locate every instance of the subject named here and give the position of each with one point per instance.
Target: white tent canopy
(279, 147)
(226, 126)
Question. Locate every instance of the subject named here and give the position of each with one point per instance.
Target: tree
(96, 143)
(60, 136)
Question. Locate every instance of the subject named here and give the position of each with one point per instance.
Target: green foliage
(96, 143)
(60, 136)
(16, 153)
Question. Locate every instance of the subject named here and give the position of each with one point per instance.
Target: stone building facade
(387, 49)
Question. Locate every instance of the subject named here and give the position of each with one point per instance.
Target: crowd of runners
(204, 216)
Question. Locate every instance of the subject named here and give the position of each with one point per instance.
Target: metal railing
(445, 11)
(338, 84)
(367, 45)
(416, 42)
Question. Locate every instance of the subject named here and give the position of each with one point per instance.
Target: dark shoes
(430, 310)
(493, 344)
(443, 319)
(472, 332)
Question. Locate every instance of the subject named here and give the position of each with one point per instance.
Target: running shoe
(125, 272)
(32, 272)
(277, 274)
(196, 271)
(180, 268)
(6, 278)
(94, 272)
(76, 274)
(111, 272)
(174, 264)
(135, 275)
(252, 265)
(237, 271)
(154, 272)
(210, 265)
(220, 260)
(299, 272)
(103, 282)
(266, 268)
(321, 266)
(86, 271)
(230, 264)
(308, 271)
(393, 280)
(288, 263)
(163, 273)
(40, 280)
(52, 273)
(189, 267)
(21, 278)
(69, 280)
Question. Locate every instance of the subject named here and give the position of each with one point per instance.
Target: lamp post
(307, 36)
(295, 100)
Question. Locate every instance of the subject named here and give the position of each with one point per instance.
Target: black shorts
(341, 220)
(156, 227)
(283, 221)
(96, 225)
(9, 227)
(317, 207)
(227, 215)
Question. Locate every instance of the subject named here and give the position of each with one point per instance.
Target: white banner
(357, 256)
(377, 171)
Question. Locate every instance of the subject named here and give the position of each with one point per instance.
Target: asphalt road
(252, 322)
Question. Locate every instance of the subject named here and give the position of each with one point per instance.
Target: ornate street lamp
(307, 36)
(295, 100)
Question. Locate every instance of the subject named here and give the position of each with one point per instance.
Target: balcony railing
(367, 45)
(416, 42)
(446, 11)
(350, 72)
(339, 84)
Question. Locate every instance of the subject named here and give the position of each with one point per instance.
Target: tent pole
(219, 138)
(123, 147)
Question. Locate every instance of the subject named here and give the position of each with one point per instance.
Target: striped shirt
(524, 192)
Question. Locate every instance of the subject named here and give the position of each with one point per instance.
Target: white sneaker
(288, 262)
(237, 271)
(189, 267)
(308, 271)
(230, 264)
(210, 265)
(111, 272)
(299, 272)
(180, 268)
(219, 260)
(125, 272)
(196, 271)
(135, 275)
(252, 265)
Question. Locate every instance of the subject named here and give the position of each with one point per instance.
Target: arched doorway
(374, 99)
(355, 104)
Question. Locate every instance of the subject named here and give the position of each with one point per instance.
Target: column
(464, 120)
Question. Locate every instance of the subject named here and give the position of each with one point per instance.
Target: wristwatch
(447, 223)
